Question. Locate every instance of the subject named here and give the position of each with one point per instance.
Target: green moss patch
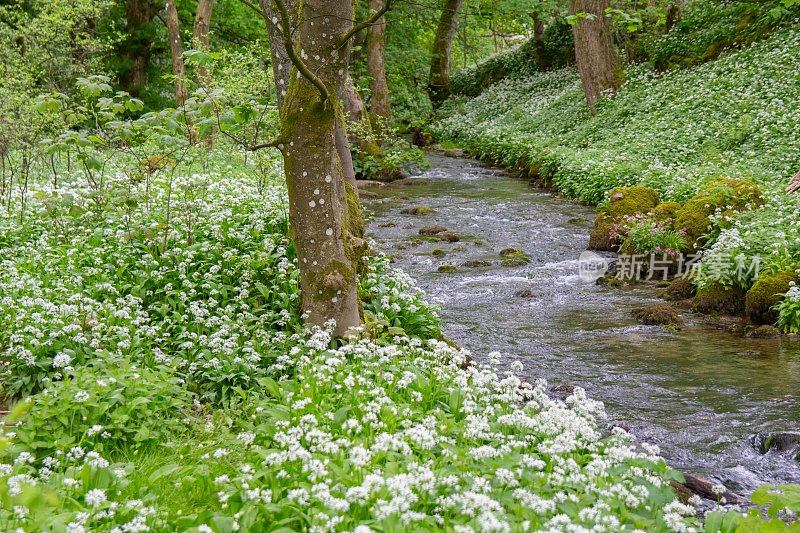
(767, 291)
(717, 298)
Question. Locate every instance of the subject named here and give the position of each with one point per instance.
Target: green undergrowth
(161, 379)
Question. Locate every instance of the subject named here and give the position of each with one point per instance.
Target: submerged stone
(525, 293)
(432, 230)
(778, 441)
(417, 210)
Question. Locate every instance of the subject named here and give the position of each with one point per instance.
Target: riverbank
(677, 133)
(699, 393)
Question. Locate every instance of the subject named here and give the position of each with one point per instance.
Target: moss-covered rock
(625, 201)
(692, 219)
(717, 298)
(476, 263)
(728, 195)
(610, 280)
(600, 236)
(679, 289)
(657, 314)
(513, 257)
(438, 252)
(739, 194)
(433, 229)
(765, 332)
(448, 236)
(665, 211)
(447, 268)
(417, 210)
(767, 291)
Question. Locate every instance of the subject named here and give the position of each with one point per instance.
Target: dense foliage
(169, 384)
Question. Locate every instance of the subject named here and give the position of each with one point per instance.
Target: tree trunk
(324, 211)
(281, 67)
(376, 68)
(439, 79)
(176, 47)
(202, 25)
(538, 41)
(135, 50)
(281, 64)
(598, 63)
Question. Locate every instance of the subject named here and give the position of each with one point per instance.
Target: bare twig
(274, 143)
(387, 5)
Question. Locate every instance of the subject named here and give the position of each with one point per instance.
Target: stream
(699, 393)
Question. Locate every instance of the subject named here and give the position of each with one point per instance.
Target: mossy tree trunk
(598, 63)
(176, 49)
(376, 40)
(135, 49)
(439, 78)
(324, 211)
(281, 67)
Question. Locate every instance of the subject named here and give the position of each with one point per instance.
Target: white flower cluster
(471, 448)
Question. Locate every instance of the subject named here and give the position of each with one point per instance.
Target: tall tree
(309, 42)
(176, 49)
(136, 48)
(598, 63)
(439, 78)
(202, 26)
(376, 44)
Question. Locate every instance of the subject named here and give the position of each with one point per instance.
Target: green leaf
(164, 471)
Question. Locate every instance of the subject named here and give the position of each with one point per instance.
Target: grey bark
(376, 43)
(324, 212)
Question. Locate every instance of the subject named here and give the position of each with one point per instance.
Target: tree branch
(286, 33)
(254, 8)
(387, 5)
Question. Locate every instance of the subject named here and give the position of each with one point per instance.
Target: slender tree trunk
(135, 50)
(376, 68)
(324, 211)
(202, 25)
(538, 40)
(281, 64)
(176, 47)
(598, 62)
(439, 78)
(201, 41)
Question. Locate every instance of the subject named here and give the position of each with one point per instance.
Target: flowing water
(699, 393)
